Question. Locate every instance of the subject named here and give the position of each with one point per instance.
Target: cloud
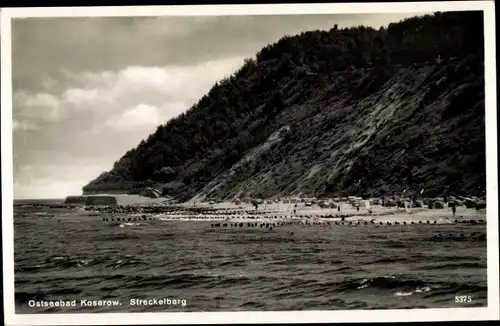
(44, 48)
(141, 116)
(154, 84)
(101, 116)
(39, 106)
(23, 125)
(78, 96)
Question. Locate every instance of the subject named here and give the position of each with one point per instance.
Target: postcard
(249, 163)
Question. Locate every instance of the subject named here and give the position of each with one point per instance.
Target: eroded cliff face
(422, 128)
(344, 112)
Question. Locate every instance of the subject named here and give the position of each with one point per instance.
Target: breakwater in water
(351, 223)
(245, 222)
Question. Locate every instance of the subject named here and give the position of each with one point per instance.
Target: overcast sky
(86, 90)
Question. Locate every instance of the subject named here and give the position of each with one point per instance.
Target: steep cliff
(348, 111)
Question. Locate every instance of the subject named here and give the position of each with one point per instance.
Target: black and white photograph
(262, 162)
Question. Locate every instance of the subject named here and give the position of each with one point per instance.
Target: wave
(252, 305)
(447, 258)
(118, 236)
(51, 263)
(417, 290)
(386, 260)
(305, 259)
(129, 224)
(477, 236)
(183, 280)
(347, 269)
(66, 262)
(65, 291)
(186, 280)
(125, 263)
(397, 244)
(246, 241)
(454, 265)
(24, 269)
(231, 263)
(166, 235)
(453, 288)
(381, 282)
(40, 213)
(408, 287)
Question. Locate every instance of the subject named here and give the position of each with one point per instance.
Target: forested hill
(353, 111)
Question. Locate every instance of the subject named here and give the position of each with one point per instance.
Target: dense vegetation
(361, 111)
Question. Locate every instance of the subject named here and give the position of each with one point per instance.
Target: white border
(450, 314)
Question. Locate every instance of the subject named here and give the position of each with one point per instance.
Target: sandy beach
(231, 214)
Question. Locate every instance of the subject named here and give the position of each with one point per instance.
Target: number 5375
(463, 298)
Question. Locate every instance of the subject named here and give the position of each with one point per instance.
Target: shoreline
(278, 213)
